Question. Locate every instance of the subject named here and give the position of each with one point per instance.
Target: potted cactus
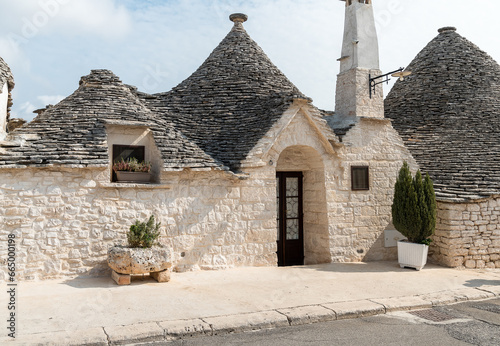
(414, 216)
(142, 255)
(132, 171)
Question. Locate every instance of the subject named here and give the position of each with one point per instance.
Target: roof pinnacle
(447, 29)
(238, 18)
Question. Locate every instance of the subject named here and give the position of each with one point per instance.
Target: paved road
(476, 323)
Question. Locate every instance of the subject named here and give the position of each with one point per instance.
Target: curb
(209, 326)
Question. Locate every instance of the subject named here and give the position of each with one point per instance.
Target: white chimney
(359, 60)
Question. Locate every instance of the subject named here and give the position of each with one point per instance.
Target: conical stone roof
(73, 132)
(448, 114)
(231, 101)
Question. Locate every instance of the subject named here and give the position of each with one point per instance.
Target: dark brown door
(290, 218)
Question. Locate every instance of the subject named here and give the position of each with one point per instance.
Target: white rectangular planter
(412, 255)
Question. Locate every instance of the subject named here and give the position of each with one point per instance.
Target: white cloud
(26, 110)
(50, 99)
(30, 18)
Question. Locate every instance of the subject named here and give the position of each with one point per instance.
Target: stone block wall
(65, 220)
(353, 94)
(4, 99)
(357, 219)
(468, 234)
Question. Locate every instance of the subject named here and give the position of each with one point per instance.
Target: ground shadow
(479, 282)
(84, 281)
(365, 267)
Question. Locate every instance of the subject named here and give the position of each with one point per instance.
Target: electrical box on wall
(392, 237)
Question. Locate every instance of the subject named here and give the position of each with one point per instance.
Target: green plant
(132, 165)
(414, 206)
(144, 234)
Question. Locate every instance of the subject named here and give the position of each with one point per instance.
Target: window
(127, 152)
(360, 178)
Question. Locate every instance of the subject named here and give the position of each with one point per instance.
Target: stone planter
(126, 261)
(412, 255)
(133, 177)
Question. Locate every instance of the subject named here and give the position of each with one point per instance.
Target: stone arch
(308, 161)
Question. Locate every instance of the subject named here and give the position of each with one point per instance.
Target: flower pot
(133, 177)
(126, 260)
(412, 255)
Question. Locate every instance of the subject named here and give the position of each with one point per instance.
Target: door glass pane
(292, 187)
(292, 229)
(292, 207)
(278, 208)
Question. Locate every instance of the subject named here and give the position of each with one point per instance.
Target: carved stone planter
(412, 255)
(126, 261)
(133, 177)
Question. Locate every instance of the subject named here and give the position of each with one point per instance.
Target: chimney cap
(238, 17)
(447, 29)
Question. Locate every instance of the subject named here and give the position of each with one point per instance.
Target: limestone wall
(4, 98)
(468, 234)
(357, 219)
(353, 94)
(64, 221)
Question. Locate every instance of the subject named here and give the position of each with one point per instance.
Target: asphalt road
(476, 323)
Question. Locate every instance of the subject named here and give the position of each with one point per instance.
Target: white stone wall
(468, 234)
(64, 221)
(352, 96)
(4, 99)
(357, 219)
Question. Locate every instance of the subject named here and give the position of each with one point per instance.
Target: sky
(156, 44)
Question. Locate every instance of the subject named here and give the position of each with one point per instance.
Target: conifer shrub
(414, 206)
(144, 234)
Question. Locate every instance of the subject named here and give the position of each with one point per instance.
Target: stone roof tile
(448, 114)
(73, 132)
(231, 101)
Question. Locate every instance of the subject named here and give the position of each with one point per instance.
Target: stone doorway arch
(308, 161)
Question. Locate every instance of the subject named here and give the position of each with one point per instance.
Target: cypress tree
(414, 206)
(429, 223)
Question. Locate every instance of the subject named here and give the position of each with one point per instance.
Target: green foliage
(414, 206)
(132, 165)
(144, 234)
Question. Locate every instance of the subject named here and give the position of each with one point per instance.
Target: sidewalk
(97, 311)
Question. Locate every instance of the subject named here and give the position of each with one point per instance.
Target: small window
(127, 152)
(360, 178)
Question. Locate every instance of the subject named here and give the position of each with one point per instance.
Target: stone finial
(349, 2)
(447, 29)
(238, 18)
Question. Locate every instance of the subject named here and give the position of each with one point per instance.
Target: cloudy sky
(155, 44)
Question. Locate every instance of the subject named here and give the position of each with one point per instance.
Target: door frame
(290, 252)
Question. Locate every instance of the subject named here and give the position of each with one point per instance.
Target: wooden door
(290, 218)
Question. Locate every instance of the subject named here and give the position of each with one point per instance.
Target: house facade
(246, 171)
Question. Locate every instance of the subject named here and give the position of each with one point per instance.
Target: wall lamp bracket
(400, 73)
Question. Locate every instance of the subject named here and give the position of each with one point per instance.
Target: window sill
(149, 186)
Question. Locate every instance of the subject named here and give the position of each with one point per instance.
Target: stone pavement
(96, 311)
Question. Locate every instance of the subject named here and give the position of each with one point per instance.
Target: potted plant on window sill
(414, 216)
(143, 254)
(132, 171)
